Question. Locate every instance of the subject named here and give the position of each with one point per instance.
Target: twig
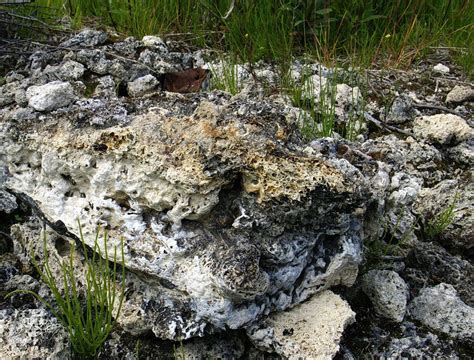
(436, 107)
(381, 125)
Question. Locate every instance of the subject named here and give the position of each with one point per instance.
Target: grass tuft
(88, 316)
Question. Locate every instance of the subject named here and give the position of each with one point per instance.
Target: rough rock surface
(388, 293)
(441, 309)
(32, 334)
(311, 330)
(444, 129)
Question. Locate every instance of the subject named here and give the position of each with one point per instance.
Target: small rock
(440, 309)
(444, 129)
(460, 94)
(95, 60)
(155, 42)
(401, 110)
(142, 85)
(442, 69)
(388, 292)
(51, 96)
(72, 70)
(311, 330)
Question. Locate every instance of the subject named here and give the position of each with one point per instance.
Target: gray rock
(444, 129)
(460, 94)
(69, 70)
(440, 309)
(401, 111)
(50, 96)
(106, 87)
(463, 154)
(32, 334)
(388, 293)
(86, 38)
(142, 85)
(95, 60)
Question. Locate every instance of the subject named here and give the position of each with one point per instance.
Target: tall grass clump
(370, 30)
(88, 314)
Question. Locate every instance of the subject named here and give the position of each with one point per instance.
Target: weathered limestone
(310, 330)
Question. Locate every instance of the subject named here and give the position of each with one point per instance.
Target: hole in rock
(122, 89)
(62, 246)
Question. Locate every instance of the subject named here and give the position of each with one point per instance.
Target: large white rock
(311, 330)
(444, 129)
(51, 96)
(388, 293)
(441, 309)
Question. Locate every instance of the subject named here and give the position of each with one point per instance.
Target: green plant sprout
(87, 315)
(227, 78)
(439, 223)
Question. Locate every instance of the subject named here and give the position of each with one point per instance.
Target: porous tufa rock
(444, 129)
(51, 96)
(210, 205)
(32, 334)
(388, 293)
(311, 330)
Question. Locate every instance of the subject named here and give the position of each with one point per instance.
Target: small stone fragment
(388, 292)
(441, 309)
(142, 85)
(311, 330)
(442, 69)
(460, 94)
(444, 129)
